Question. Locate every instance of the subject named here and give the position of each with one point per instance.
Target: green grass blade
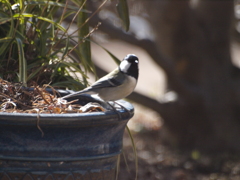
(116, 60)
(70, 84)
(52, 3)
(4, 45)
(4, 20)
(10, 34)
(85, 47)
(34, 73)
(118, 166)
(22, 62)
(134, 151)
(27, 15)
(75, 67)
(123, 13)
(6, 39)
(125, 160)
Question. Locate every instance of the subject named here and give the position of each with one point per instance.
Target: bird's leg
(115, 110)
(122, 107)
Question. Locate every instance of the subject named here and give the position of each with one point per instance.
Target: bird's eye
(136, 61)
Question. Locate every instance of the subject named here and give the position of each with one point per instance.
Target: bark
(197, 42)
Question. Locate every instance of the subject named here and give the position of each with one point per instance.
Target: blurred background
(187, 101)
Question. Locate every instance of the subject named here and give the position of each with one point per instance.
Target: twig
(38, 121)
(77, 43)
(39, 92)
(97, 10)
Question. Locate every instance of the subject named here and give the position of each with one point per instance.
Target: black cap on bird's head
(132, 58)
(129, 65)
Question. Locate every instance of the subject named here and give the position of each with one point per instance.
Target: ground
(157, 160)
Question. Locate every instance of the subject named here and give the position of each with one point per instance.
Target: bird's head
(129, 65)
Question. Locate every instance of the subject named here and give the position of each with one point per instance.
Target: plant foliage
(36, 46)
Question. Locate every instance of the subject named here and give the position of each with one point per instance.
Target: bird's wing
(113, 79)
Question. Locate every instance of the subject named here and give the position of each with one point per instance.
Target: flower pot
(81, 146)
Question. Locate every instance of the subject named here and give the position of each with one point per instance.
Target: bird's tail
(76, 94)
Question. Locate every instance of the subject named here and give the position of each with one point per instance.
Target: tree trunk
(194, 40)
(192, 46)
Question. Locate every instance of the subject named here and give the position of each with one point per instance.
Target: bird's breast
(119, 92)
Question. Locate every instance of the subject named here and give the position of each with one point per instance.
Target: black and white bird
(117, 84)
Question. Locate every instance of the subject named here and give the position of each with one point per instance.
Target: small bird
(117, 84)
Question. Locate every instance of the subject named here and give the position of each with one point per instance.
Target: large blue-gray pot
(74, 146)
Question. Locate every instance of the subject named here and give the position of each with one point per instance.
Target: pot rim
(109, 116)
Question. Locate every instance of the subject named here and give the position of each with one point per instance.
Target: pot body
(62, 146)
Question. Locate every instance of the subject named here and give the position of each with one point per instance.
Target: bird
(116, 85)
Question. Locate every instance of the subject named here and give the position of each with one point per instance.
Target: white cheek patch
(124, 66)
